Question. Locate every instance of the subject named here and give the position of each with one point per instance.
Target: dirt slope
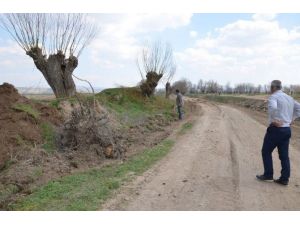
(17, 126)
(213, 167)
(30, 131)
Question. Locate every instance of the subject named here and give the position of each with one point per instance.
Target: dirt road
(213, 167)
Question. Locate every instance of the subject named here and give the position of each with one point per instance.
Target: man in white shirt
(282, 109)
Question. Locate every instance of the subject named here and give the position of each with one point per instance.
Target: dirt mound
(255, 104)
(20, 122)
(9, 95)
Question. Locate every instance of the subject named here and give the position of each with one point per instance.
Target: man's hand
(277, 123)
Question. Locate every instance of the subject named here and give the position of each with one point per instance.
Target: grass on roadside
(186, 127)
(129, 103)
(87, 190)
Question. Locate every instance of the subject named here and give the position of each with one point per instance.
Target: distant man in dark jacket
(179, 104)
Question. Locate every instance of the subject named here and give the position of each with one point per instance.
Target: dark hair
(177, 91)
(276, 84)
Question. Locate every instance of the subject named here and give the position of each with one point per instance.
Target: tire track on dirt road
(212, 167)
(247, 135)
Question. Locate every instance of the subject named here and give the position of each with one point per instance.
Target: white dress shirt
(282, 107)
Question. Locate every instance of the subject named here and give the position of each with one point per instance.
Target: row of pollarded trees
(55, 41)
(186, 86)
(292, 89)
(248, 88)
(205, 87)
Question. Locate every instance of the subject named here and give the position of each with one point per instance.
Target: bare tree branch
(91, 86)
(157, 58)
(54, 42)
(68, 34)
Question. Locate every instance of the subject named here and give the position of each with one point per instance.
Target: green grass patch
(48, 135)
(54, 103)
(185, 128)
(27, 109)
(87, 190)
(130, 105)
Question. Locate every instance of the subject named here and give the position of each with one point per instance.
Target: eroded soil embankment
(30, 156)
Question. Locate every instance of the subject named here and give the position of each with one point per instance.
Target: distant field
(40, 96)
(245, 96)
(259, 97)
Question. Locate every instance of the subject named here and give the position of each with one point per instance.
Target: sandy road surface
(213, 167)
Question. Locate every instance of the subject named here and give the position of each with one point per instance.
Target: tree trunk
(57, 70)
(149, 85)
(168, 89)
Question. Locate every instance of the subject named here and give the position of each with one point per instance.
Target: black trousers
(277, 137)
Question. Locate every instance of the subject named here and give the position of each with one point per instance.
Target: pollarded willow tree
(54, 42)
(167, 82)
(155, 62)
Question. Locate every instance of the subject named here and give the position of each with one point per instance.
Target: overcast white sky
(233, 48)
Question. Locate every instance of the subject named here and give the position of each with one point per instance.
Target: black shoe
(282, 182)
(264, 178)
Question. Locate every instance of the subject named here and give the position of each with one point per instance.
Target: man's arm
(296, 113)
(272, 108)
(181, 100)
